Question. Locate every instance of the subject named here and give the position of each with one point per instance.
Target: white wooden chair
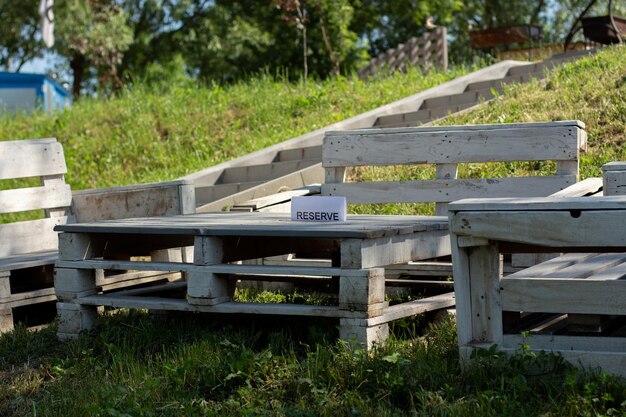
(574, 304)
(28, 249)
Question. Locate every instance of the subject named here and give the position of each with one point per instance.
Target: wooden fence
(430, 49)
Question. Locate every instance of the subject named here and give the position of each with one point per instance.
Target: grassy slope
(156, 134)
(136, 366)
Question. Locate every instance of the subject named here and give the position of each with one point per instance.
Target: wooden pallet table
(574, 305)
(359, 248)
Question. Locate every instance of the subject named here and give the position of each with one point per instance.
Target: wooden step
(423, 115)
(509, 79)
(209, 200)
(210, 193)
(525, 69)
(310, 152)
(451, 100)
(264, 172)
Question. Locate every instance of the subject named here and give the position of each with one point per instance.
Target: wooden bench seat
(29, 248)
(573, 304)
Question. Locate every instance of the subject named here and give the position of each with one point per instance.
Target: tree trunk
(78, 64)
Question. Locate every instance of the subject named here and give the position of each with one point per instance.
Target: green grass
(195, 365)
(154, 134)
(199, 366)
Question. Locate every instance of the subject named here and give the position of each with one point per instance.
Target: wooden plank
(274, 199)
(34, 198)
(334, 175)
(456, 128)
(614, 178)
(29, 236)
(446, 190)
(541, 203)
(28, 298)
(415, 307)
(157, 303)
(55, 181)
(395, 249)
(144, 200)
(237, 269)
(30, 260)
(563, 295)
(31, 158)
(615, 272)
(485, 298)
(598, 229)
(462, 290)
(590, 266)
(552, 265)
(584, 188)
(133, 280)
(567, 167)
(311, 175)
(445, 172)
(260, 224)
(382, 147)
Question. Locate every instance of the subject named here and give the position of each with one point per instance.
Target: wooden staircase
(296, 163)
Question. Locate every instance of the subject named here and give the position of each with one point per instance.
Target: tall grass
(198, 366)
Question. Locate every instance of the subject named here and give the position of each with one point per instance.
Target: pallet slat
(31, 158)
(563, 295)
(35, 198)
(29, 236)
(446, 190)
(424, 147)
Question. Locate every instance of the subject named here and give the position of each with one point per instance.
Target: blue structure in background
(29, 92)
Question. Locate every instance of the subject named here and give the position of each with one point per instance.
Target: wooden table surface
(264, 224)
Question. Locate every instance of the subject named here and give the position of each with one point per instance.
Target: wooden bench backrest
(41, 158)
(446, 147)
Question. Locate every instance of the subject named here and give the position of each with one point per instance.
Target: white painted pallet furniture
(360, 247)
(575, 304)
(28, 249)
(446, 147)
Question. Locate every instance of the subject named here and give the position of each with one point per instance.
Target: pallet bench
(28, 249)
(360, 247)
(575, 304)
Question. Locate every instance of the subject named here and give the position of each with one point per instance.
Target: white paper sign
(318, 209)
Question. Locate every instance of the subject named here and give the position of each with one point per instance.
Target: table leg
(207, 288)
(361, 292)
(71, 284)
(6, 314)
(477, 272)
(361, 335)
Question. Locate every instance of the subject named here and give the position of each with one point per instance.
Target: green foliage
(97, 32)
(188, 365)
(19, 40)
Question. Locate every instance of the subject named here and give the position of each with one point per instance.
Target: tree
(19, 33)
(93, 34)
